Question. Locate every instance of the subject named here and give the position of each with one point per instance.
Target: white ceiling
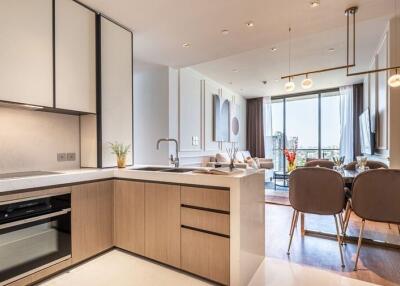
(162, 26)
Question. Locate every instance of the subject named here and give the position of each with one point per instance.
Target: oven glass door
(25, 247)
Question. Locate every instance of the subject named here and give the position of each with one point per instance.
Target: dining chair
(376, 197)
(318, 191)
(320, 163)
(371, 164)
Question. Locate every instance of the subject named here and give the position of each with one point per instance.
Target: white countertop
(83, 175)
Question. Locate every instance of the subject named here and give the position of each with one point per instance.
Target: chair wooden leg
(398, 227)
(341, 221)
(291, 226)
(339, 239)
(303, 229)
(294, 222)
(346, 221)
(359, 243)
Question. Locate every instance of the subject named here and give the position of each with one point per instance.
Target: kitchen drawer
(206, 255)
(205, 220)
(205, 198)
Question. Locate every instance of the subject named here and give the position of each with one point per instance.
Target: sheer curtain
(346, 123)
(268, 141)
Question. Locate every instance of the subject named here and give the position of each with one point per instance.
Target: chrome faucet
(173, 160)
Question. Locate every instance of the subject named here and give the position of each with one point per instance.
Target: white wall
(151, 120)
(177, 104)
(30, 140)
(194, 101)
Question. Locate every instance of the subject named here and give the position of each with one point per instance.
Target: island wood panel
(162, 223)
(129, 216)
(34, 194)
(91, 219)
(206, 255)
(205, 198)
(205, 220)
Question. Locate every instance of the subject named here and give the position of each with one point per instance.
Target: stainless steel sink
(151, 169)
(164, 169)
(178, 170)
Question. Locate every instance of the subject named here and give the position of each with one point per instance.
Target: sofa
(243, 160)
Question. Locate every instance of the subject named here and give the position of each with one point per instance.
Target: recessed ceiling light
(274, 49)
(314, 3)
(186, 45)
(276, 80)
(235, 70)
(250, 24)
(225, 32)
(331, 50)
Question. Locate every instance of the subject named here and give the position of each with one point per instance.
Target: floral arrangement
(120, 150)
(291, 155)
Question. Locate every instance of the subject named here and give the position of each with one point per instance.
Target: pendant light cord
(290, 50)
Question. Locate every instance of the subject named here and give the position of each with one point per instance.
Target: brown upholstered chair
(370, 164)
(320, 163)
(316, 191)
(376, 197)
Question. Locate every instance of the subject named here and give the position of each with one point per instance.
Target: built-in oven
(34, 234)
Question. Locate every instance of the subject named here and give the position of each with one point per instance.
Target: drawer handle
(33, 219)
(205, 209)
(205, 231)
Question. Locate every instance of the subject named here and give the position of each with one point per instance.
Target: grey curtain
(255, 127)
(358, 105)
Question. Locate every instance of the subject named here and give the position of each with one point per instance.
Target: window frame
(319, 93)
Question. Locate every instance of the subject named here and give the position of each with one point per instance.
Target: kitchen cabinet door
(75, 54)
(92, 219)
(162, 223)
(206, 255)
(129, 216)
(116, 90)
(26, 52)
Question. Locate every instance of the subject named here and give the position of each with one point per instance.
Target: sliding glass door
(310, 121)
(330, 124)
(302, 126)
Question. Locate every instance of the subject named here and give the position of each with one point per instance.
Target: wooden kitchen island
(212, 226)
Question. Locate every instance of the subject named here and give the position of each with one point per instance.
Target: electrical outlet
(195, 141)
(71, 156)
(61, 157)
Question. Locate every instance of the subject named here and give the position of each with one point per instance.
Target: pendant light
(307, 83)
(394, 80)
(290, 86)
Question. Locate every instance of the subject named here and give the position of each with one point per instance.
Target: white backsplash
(30, 140)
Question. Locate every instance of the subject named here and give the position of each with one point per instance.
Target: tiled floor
(118, 268)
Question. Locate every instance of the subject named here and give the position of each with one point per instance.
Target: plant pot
(121, 162)
(291, 166)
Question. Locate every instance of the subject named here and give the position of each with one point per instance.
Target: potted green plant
(120, 150)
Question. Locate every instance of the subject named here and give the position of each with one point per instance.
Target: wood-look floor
(377, 265)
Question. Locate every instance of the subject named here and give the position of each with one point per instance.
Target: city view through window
(311, 120)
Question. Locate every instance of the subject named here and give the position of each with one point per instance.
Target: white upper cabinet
(26, 57)
(116, 89)
(75, 54)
